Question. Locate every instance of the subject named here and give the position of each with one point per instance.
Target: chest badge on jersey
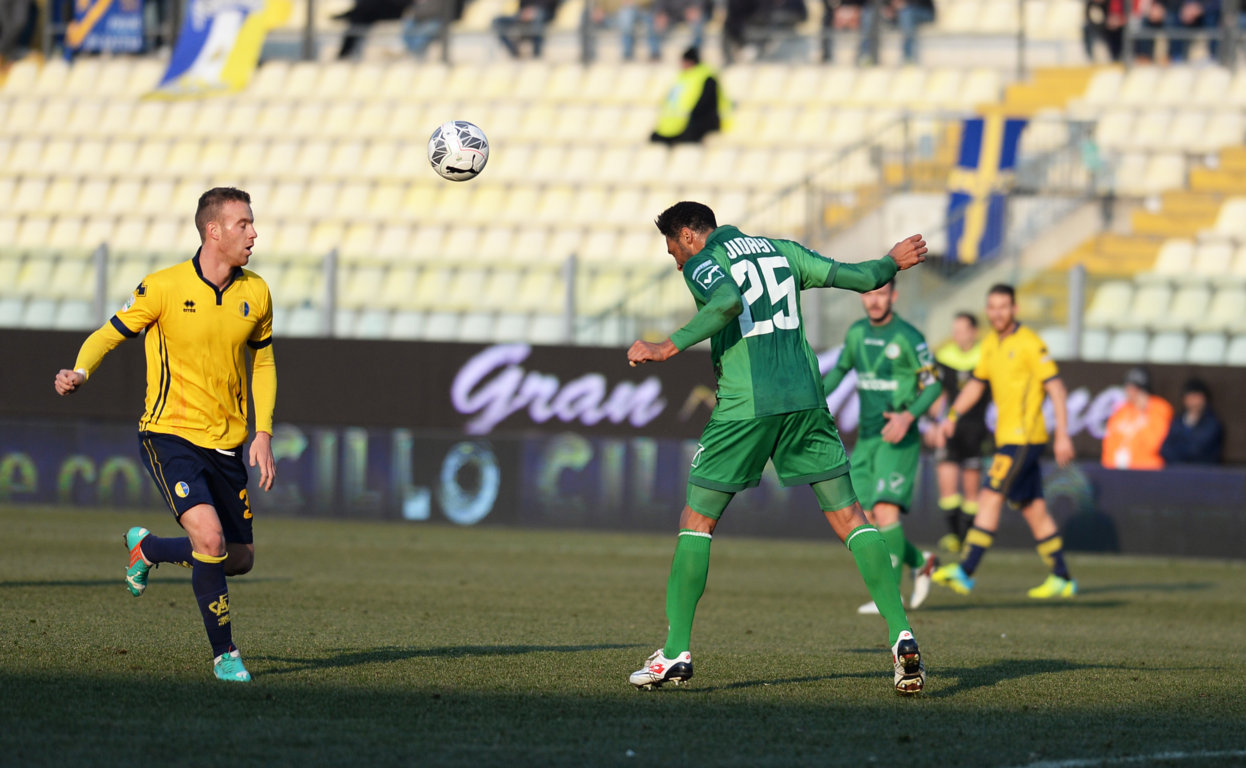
(891, 351)
(245, 309)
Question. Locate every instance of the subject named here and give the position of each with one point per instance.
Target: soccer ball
(458, 150)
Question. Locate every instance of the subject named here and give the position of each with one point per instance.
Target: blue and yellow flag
(977, 197)
(219, 45)
(105, 26)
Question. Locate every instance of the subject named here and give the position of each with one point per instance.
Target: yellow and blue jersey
(196, 345)
(1017, 366)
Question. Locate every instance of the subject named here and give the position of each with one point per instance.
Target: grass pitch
(389, 644)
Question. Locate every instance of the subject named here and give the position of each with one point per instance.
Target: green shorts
(804, 445)
(884, 472)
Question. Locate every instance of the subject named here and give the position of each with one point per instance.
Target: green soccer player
(770, 407)
(896, 384)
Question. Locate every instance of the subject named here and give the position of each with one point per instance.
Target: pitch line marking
(1087, 762)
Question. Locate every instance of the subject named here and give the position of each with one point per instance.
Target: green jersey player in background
(896, 384)
(770, 407)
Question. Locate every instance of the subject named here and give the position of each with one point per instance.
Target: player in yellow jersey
(1015, 363)
(201, 317)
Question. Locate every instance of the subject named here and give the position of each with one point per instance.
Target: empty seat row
(1157, 306)
(1185, 129)
(1138, 346)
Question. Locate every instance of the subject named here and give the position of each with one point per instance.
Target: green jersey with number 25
(762, 361)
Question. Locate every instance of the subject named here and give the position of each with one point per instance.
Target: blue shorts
(187, 475)
(1015, 473)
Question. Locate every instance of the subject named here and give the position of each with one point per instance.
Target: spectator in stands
(695, 106)
(14, 15)
(425, 20)
(1138, 426)
(526, 23)
(694, 13)
(769, 24)
(909, 14)
(361, 17)
(1105, 20)
(626, 15)
(838, 16)
(1196, 435)
(1181, 16)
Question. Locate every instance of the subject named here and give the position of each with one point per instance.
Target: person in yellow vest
(960, 457)
(695, 106)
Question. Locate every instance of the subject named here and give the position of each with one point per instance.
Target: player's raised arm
(867, 276)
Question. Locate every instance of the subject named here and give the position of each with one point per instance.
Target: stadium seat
(1231, 221)
(1110, 302)
(1188, 307)
(11, 308)
(1127, 347)
(1149, 304)
(39, 313)
(1168, 347)
(75, 315)
(1236, 353)
(1173, 263)
(1059, 344)
(1213, 260)
(1094, 344)
(1206, 349)
(1226, 312)
(406, 325)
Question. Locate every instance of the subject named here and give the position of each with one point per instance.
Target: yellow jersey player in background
(201, 318)
(1015, 363)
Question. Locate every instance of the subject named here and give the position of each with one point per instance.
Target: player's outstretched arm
(723, 307)
(909, 252)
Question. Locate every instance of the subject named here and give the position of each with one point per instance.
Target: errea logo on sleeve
(707, 274)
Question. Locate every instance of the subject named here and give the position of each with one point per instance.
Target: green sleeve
(863, 277)
(926, 399)
(844, 364)
(722, 307)
(927, 374)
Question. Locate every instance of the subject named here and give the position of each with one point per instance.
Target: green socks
(874, 561)
(689, 570)
(902, 551)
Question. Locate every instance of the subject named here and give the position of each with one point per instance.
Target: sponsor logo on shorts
(696, 457)
(182, 490)
(896, 481)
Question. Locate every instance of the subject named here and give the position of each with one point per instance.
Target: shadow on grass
(1185, 586)
(955, 681)
(177, 579)
(389, 654)
(993, 605)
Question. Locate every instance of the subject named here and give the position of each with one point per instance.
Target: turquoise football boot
(136, 573)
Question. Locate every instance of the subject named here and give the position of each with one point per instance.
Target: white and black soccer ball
(458, 150)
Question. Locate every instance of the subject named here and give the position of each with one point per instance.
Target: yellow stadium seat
(428, 243)
(399, 288)
(1188, 306)
(29, 195)
(57, 155)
